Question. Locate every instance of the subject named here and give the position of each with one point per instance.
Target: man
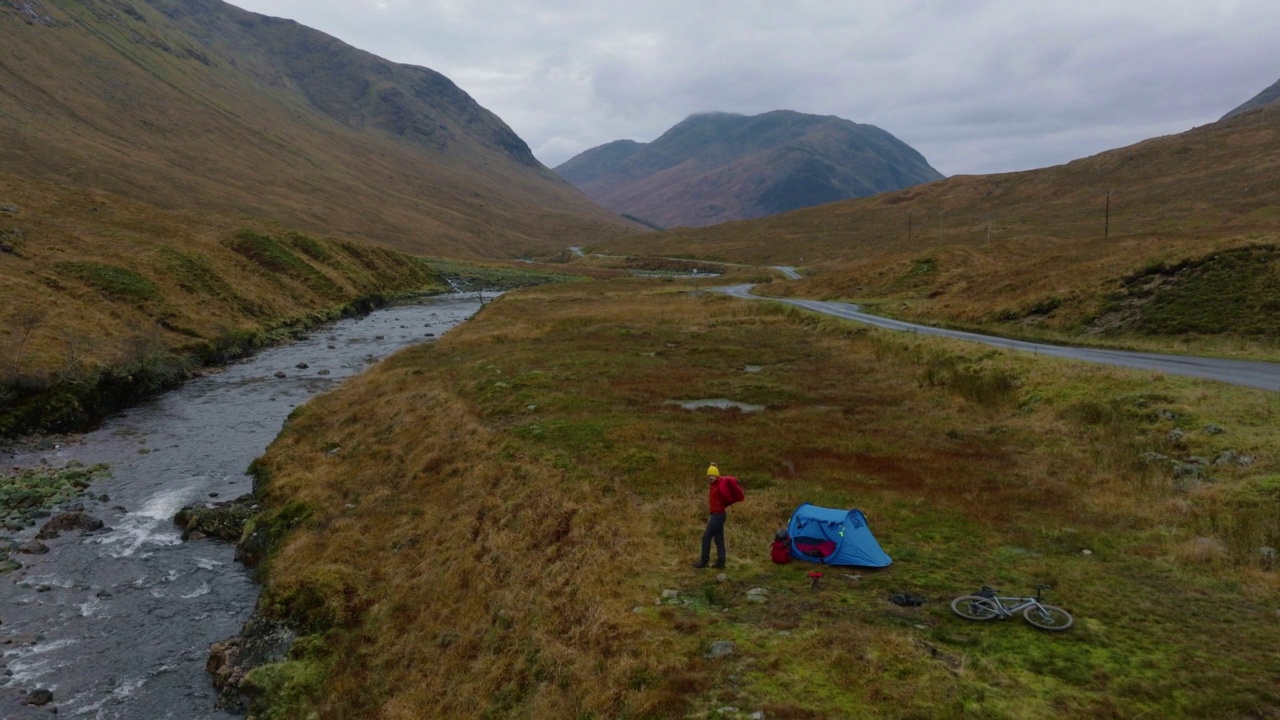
(715, 523)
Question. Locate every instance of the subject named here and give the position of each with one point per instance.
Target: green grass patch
(274, 257)
(114, 282)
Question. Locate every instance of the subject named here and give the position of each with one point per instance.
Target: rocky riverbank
(27, 494)
(263, 640)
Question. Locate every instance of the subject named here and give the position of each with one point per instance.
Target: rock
(1187, 470)
(39, 698)
(720, 648)
(302, 366)
(757, 591)
(378, 337)
(33, 547)
(1175, 436)
(260, 642)
(10, 565)
(1226, 457)
(281, 375)
(906, 599)
(1214, 429)
(75, 507)
(10, 209)
(669, 594)
(323, 372)
(68, 521)
(103, 594)
(224, 521)
(1166, 415)
(103, 498)
(1267, 553)
(722, 577)
(1086, 552)
(1153, 457)
(332, 347)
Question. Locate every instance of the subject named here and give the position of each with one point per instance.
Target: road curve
(1236, 372)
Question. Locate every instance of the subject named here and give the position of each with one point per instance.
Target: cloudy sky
(978, 86)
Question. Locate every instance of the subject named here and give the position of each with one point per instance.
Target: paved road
(1236, 372)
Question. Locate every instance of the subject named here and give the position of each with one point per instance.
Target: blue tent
(834, 537)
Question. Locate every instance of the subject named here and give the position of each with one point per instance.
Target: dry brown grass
(1184, 196)
(505, 506)
(187, 116)
(194, 285)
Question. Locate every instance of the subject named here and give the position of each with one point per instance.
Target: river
(118, 622)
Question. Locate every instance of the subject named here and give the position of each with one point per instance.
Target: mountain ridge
(201, 105)
(1269, 96)
(713, 167)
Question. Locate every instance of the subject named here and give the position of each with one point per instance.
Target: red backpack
(781, 552)
(730, 490)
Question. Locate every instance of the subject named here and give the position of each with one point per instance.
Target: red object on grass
(816, 575)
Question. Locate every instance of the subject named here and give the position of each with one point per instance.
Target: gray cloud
(976, 85)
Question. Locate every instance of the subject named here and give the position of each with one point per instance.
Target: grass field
(487, 526)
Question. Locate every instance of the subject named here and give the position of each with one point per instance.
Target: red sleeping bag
(820, 549)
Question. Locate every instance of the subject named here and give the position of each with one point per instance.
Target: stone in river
(39, 698)
(68, 521)
(33, 547)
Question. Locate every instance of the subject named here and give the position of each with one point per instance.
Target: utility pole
(1106, 229)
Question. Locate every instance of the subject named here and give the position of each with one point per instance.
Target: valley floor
(501, 524)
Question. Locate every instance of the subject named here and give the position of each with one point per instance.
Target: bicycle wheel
(1048, 617)
(974, 607)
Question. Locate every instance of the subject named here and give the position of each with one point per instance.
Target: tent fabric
(854, 543)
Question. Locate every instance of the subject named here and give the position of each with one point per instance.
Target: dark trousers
(715, 530)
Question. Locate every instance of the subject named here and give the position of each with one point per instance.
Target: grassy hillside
(103, 300)
(203, 106)
(501, 524)
(1034, 253)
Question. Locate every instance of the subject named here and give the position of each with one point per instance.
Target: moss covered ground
(500, 524)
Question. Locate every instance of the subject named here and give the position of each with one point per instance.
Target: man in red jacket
(715, 523)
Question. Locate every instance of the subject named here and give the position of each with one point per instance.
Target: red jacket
(716, 498)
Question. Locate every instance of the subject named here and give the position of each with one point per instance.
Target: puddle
(717, 403)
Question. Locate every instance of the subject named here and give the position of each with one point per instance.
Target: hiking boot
(717, 566)
(700, 565)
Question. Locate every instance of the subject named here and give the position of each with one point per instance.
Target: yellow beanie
(713, 471)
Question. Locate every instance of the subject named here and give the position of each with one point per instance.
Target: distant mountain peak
(1266, 97)
(713, 167)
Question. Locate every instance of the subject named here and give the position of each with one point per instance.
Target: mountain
(714, 167)
(1266, 97)
(196, 104)
(1167, 226)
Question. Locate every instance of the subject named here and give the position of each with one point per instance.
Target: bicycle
(987, 606)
